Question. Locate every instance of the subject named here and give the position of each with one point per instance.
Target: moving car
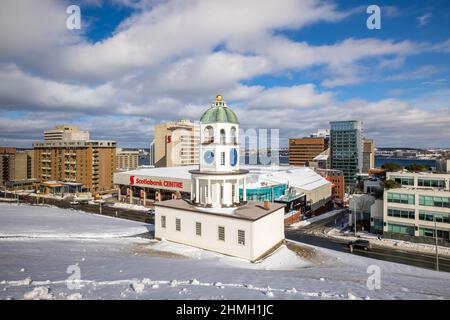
(362, 244)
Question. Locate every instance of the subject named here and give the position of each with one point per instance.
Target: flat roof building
(304, 150)
(175, 143)
(16, 166)
(127, 159)
(419, 209)
(263, 183)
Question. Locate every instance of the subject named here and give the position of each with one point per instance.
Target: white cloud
(169, 59)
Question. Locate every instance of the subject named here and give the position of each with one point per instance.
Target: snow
(38, 293)
(27, 221)
(138, 287)
(74, 296)
(307, 222)
(302, 177)
(138, 268)
(129, 206)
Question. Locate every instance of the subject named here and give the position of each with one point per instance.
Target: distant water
(144, 160)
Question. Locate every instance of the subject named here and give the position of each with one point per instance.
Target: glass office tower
(346, 148)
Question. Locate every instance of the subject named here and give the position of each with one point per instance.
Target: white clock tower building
(217, 181)
(215, 218)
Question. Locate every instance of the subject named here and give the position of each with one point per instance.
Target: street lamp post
(354, 208)
(436, 238)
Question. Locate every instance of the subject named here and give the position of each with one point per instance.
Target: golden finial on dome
(219, 98)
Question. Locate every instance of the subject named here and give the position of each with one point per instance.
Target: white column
(208, 201)
(131, 195)
(244, 191)
(118, 195)
(224, 193)
(145, 196)
(236, 191)
(192, 190)
(197, 190)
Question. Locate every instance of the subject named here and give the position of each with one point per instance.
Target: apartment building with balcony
(419, 209)
(16, 168)
(89, 162)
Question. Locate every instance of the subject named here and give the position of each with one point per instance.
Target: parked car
(150, 212)
(362, 244)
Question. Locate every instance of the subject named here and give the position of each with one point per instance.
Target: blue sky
(292, 67)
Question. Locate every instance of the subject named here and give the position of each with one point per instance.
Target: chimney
(266, 205)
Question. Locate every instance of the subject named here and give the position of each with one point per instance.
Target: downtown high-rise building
(346, 148)
(175, 144)
(127, 159)
(368, 155)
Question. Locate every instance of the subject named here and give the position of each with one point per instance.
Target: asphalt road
(313, 234)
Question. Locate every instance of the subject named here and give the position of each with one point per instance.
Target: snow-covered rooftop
(298, 177)
(302, 177)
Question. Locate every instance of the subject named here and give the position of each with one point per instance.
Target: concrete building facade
(419, 209)
(368, 155)
(176, 144)
(16, 167)
(127, 159)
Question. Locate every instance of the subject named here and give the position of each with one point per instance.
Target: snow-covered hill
(44, 248)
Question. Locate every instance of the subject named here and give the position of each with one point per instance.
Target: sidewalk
(388, 243)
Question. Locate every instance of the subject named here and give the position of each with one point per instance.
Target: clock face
(233, 157)
(209, 156)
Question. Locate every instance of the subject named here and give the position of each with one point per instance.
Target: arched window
(222, 136)
(233, 135)
(208, 135)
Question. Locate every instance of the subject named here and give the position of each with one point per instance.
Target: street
(313, 235)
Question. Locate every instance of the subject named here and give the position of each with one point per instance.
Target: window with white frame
(163, 221)
(178, 224)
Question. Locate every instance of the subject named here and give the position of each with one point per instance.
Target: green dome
(219, 112)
